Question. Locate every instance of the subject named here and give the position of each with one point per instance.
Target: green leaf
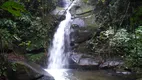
(13, 7)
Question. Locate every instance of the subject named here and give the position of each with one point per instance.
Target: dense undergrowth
(120, 35)
(22, 29)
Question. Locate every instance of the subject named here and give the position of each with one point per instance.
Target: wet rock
(110, 64)
(124, 73)
(88, 60)
(80, 35)
(84, 60)
(76, 57)
(86, 18)
(61, 17)
(80, 7)
(74, 27)
(78, 21)
(82, 47)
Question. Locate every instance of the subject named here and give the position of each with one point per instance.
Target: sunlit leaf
(14, 8)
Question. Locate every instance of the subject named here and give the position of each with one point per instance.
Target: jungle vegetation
(23, 30)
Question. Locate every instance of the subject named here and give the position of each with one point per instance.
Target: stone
(88, 61)
(76, 57)
(80, 35)
(84, 60)
(61, 17)
(124, 72)
(78, 21)
(109, 64)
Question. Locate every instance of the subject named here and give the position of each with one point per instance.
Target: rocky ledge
(88, 62)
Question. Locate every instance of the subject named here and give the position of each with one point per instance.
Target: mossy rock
(139, 79)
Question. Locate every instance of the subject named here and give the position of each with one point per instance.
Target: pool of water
(92, 75)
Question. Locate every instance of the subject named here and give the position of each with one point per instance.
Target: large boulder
(81, 34)
(26, 68)
(80, 37)
(85, 60)
(78, 21)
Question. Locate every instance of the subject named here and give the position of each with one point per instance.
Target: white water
(58, 57)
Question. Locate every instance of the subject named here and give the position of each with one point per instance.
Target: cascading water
(58, 57)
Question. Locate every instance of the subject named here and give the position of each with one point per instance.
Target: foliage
(134, 57)
(117, 41)
(39, 7)
(13, 7)
(136, 18)
(128, 45)
(25, 31)
(120, 38)
(124, 38)
(21, 27)
(35, 57)
(2, 66)
(34, 33)
(7, 31)
(112, 13)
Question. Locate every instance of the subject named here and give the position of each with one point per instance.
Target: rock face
(82, 14)
(85, 60)
(88, 60)
(80, 35)
(78, 21)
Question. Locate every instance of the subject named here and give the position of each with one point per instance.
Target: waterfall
(60, 46)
